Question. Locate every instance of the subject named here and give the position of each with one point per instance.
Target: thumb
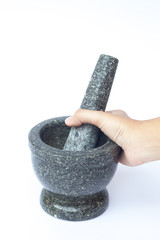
(110, 123)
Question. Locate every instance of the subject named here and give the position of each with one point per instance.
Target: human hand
(140, 140)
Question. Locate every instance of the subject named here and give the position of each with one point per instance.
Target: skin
(140, 140)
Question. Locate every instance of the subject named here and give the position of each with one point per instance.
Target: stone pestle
(96, 97)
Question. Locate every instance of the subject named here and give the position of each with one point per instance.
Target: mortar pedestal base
(74, 208)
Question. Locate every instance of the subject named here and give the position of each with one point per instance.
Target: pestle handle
(96, 97)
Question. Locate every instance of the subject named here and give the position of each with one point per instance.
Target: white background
(48, 51)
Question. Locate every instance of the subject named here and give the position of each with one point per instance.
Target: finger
(113, 126)
(83, 116)
(73, 121)
(97, 118)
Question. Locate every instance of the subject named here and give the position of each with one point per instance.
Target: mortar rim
(36, 143)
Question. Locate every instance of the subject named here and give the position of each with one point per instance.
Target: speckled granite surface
(74, 208)
(96, 97)
(77, 175)
(75, 181)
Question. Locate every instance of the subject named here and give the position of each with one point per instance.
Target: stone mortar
(75, 178)
(74, 182)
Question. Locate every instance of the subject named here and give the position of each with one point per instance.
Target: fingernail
(68, 120)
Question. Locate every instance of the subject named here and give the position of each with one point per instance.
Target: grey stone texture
(96, 97)
(76, 208)
(74, 182)
(75, 165)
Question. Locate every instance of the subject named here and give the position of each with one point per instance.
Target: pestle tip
(108, 57)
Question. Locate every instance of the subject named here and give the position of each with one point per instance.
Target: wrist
(151, 139)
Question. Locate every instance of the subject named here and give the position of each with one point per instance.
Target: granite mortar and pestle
(76, 164)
